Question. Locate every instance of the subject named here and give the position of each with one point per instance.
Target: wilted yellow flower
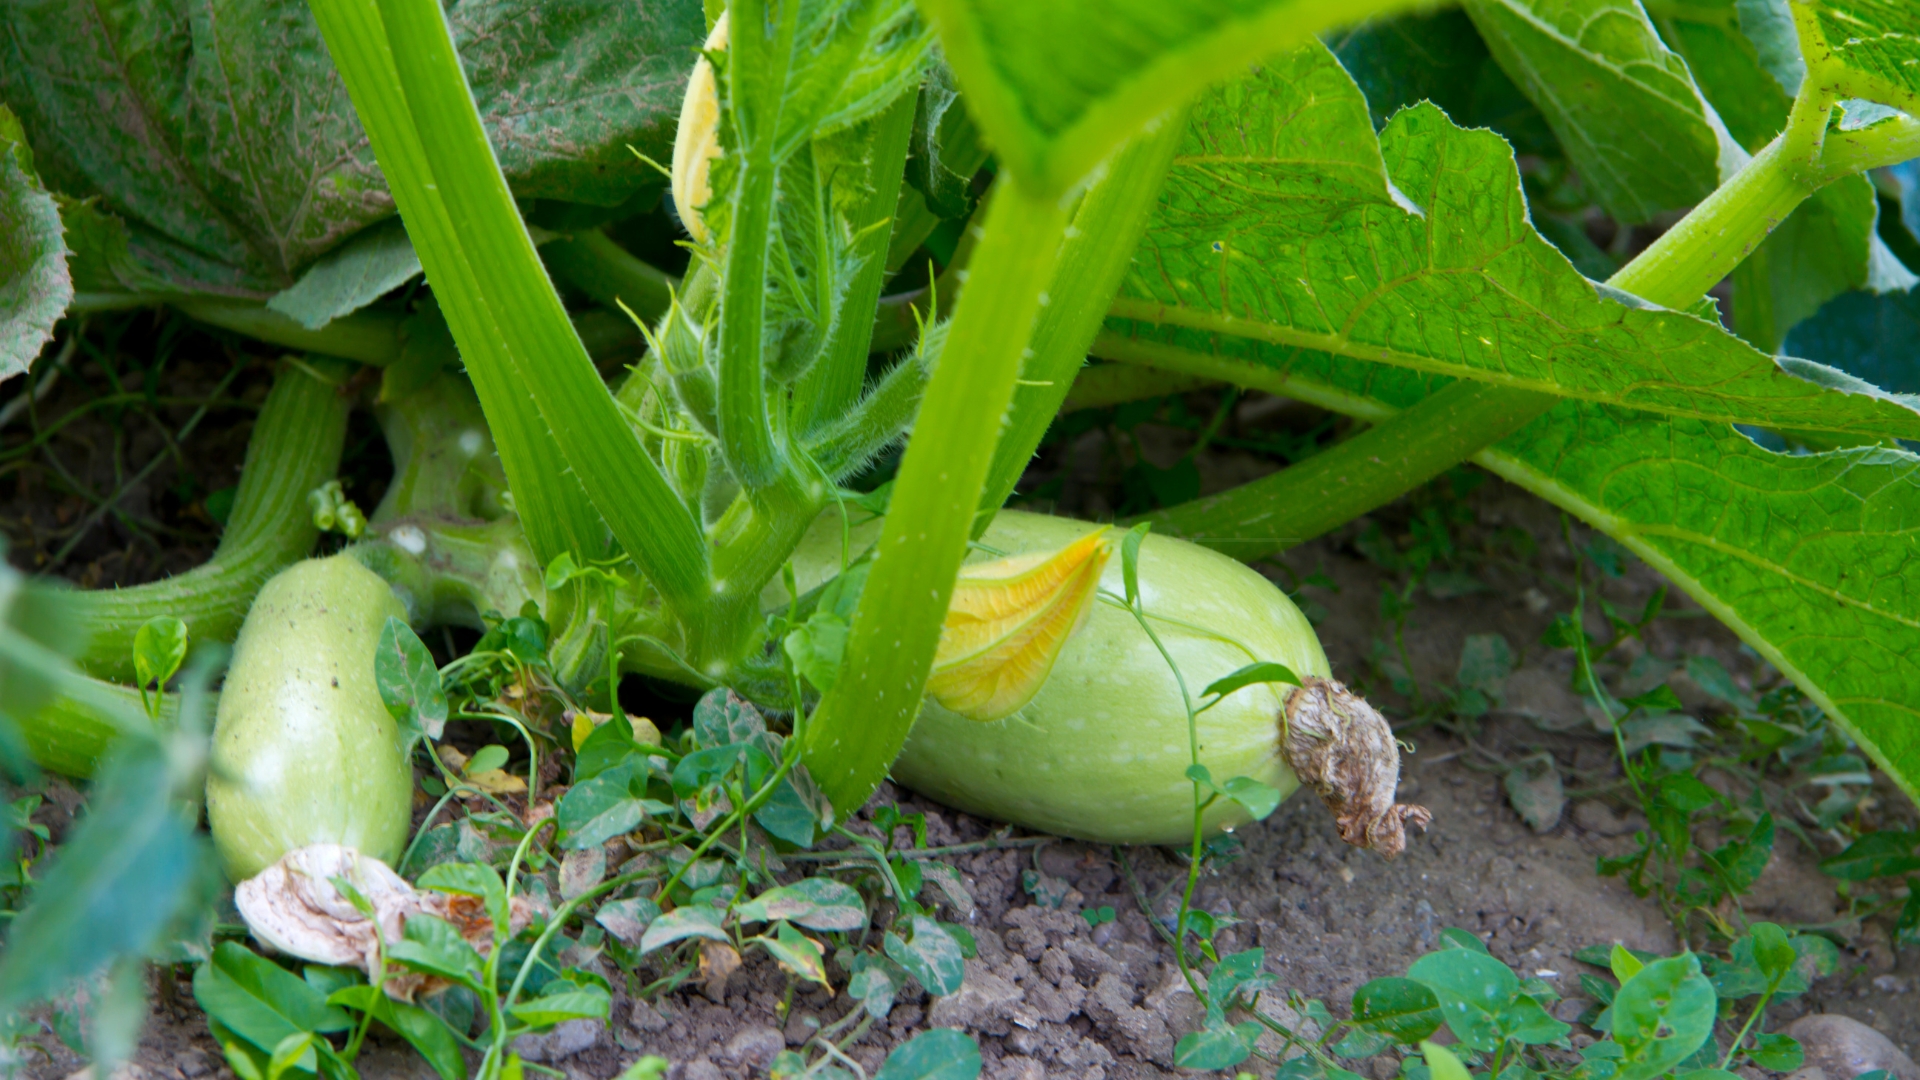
(583, 723)
(1007, 623)
(697, 142)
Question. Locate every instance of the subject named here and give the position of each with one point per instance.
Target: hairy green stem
(1369, 470)
(833, 383)
(862, 722)
(1099, 247)
(761, 51)
(69, 736)
(295, 448)
(374, 338)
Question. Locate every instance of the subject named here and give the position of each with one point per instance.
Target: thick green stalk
(488, 253)
(552, 504)
(1106, 229)
(368, 337)
(862, 722)
(594, 264)
(68, 735)
(295, 448)
(833, 383)
(1720, 233)
(1369, 470)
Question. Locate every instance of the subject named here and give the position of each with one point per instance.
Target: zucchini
(1101, 751)
(304, 750)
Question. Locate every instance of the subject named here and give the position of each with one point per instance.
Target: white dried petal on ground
(1344, 749)
(292, 907)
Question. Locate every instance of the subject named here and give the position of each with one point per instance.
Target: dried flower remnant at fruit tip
(1343, 749)
(292, 907)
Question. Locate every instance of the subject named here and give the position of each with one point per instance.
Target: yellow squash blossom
(1007, 623)
(697, 142)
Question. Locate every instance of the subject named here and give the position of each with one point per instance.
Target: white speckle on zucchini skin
(304, 751)
(1101, 752)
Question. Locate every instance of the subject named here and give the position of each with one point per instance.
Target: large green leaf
(1625, 108)
(1058, 86)
(1828, 245)
(1278, 222)
(1811, 559)
(1878, 41)
(35, 286)
(219, 130)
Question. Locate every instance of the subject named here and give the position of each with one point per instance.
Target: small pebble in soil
(1842, 1048)
(755, 1046)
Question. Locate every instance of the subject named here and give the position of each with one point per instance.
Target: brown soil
(1050, 996)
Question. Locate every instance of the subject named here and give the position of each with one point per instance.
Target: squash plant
(1273, 194)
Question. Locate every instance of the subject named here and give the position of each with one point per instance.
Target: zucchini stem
(295, 448)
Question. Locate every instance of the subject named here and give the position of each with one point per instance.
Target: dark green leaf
(422, 1029)
(1474, 990)
(608, 746)
(1661, 1016)
(1440, 57)
(1401, 1009)
(722, 718)
(260, 1001)
(409, 682)
(522, 637)
(1240, 974)
(471, 879)
(1866, 336)
(818, 903)
(587, 1003)
(431, 945)
(694, 920)
(874, 986)
(159, 648)
(1780, 1053)
(627, 919)
(1819, 957)
(1773, 951)
(939, 1054)
(35, 284)
(1877, 854)
(606, 806)
(1219, 1045)
(220, 132)
(931, 955)
(1265, 671)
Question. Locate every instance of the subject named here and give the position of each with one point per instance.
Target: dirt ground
(1051, 997)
